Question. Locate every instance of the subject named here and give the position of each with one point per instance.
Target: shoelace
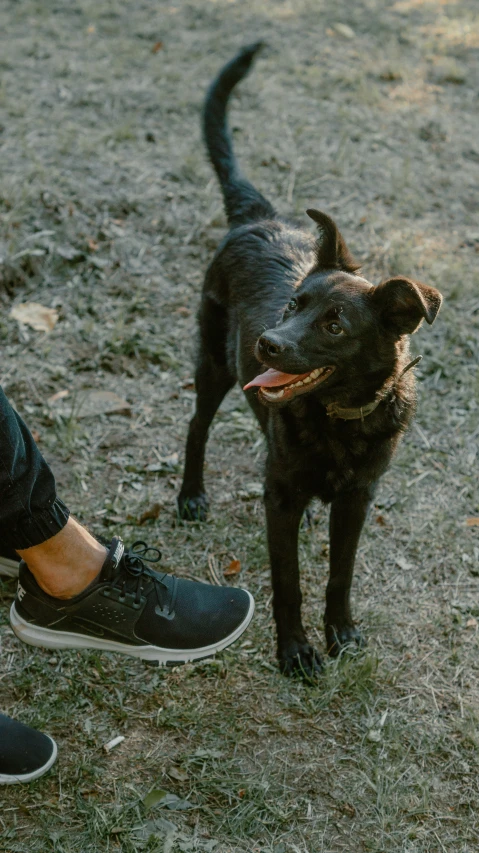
(133, 561)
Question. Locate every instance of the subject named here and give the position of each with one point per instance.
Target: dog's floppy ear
(331, 249)
(404, 304)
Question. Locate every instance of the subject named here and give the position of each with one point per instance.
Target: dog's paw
(193, 508)
(302, 660)
(346, 637)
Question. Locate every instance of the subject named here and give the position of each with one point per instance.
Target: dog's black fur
(268, 274)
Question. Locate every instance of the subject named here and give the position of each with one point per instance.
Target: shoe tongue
(113, 558)
(273, 377)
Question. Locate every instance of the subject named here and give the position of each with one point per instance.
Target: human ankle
(66, 564)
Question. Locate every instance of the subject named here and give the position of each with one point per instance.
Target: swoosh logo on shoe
(164, 613)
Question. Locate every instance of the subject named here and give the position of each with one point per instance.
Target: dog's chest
(319, 461)
(327, 471)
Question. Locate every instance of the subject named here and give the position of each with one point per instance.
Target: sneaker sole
(7, 779)
(35, 635)
(9, 568)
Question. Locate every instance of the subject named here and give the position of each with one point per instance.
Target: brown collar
(334, 410)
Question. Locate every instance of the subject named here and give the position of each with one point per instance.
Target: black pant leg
(30, 511)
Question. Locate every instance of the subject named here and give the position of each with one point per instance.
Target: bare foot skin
(66, 564)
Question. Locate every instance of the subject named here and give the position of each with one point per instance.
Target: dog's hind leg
(213, 380)
(348, 513)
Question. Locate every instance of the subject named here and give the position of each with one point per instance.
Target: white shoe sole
(35, 635)
(9, 568)
(7, 779)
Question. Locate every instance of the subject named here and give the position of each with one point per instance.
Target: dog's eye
(292, 305)
(334, 329)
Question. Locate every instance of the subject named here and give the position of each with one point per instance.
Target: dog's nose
(268, 347)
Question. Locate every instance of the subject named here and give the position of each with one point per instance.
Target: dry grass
(381, 131)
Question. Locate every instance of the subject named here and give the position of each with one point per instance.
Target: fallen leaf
(174, 803)
(344, 30)
(208, 753)
(99, 263)
(471, 623)
(153, 797)
(178, 774)
(374, 735)
(60, 395)
(158, 797)
(162, 829)
(472, 522)
(183, 310)
(36, 253)
(404, 564)
(250, 491)
(234, 568)
(156, 47)
(165, 463)
(151, 513)
(35, 315)
(381, 520)
(93, 245)
(69, 253)
(36, 435)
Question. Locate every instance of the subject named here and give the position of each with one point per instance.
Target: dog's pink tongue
(272, 377)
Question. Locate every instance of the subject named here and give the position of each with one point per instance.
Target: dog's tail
(243, 203)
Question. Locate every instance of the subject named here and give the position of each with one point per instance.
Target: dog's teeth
(273, 395)
(276, 394)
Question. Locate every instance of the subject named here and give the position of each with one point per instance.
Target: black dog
(335, 393)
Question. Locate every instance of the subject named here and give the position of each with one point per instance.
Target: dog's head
(340, 336)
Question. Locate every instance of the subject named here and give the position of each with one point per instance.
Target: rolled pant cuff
(34, 529)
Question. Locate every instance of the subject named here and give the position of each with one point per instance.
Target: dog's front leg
(284, 510)
(213, 382)
(348, 513)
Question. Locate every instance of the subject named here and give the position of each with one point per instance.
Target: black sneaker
(9, 561)
(131, 608)
(25, 754)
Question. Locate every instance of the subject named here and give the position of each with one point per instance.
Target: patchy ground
(109, 214)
